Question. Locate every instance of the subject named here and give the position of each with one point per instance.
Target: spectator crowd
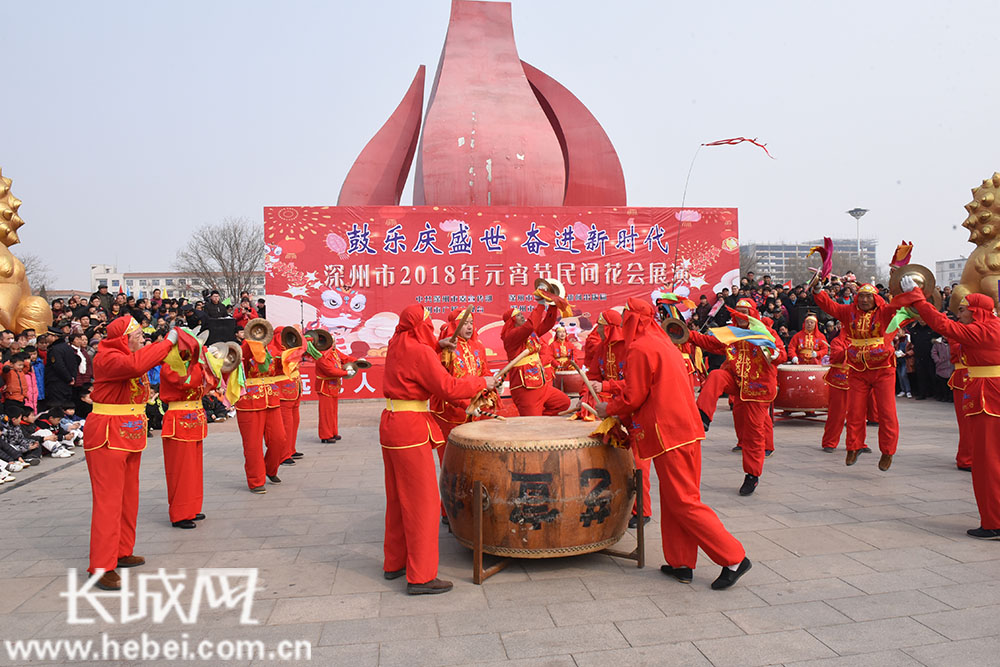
(47, 375)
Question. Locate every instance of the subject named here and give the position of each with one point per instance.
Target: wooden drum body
(550, 489)
(801, 387)
(569, 382)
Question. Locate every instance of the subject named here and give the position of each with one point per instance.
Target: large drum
(550, 489)
(801, 388)
(569, 382)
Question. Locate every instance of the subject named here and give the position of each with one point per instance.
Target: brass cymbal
(923, 276)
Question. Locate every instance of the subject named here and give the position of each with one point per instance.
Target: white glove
(908, 284)
(172, 336)
(351, 373)
(795, 360)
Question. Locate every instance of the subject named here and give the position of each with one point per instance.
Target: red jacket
(531, 373)
(329, 370)
(865, 332)
(260, 392)
(810, 348)
(756, 375)
(467, 359)
(181, 422)
(839, 372)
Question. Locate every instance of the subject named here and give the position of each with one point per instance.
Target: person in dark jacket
(61, 367)
(215, 308)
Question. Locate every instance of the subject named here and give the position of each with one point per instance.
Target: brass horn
(259, 330)
(921, 275)
(676, 329)
(290, 338)
(322, 339)
(552, 286)
(230, 353)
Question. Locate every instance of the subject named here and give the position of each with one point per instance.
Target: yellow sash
(399, 405)
(119, 409)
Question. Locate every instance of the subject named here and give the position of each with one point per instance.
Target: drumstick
(586, 382)
(513, 362)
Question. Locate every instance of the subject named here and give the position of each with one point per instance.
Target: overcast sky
(126, 125)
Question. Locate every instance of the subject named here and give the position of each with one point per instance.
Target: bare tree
(748, 259)
(37, 272)
(863, 269)
(224, 256)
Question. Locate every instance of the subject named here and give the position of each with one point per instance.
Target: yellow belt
(254, 382)
(530, 359)
(279, 378)
(184, 405)
(959, 367)
(867, 342)
(984, 371)
(399, 405)
(119, 409)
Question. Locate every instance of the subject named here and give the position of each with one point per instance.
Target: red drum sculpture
(801, 388)
(569, 382)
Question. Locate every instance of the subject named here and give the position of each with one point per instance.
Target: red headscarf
(640, 320)
(508, 321)
(118, 333)
(454, 317)
(982, 307)
(612, 321)
(415, 323)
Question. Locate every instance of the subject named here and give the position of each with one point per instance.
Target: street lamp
(856, 213)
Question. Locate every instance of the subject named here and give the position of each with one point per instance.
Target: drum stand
(481, 574)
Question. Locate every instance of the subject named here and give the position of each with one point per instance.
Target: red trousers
(836, 417)
(182, 463)
(878, 386)
(686, 523)
(412, 506)
(985, 433)
(327, 417)
(114, 486)
(964, 457)
(546, 400)
(290, 419)
(717, 383)
(646, 466)
(256, 427)
(754, 429)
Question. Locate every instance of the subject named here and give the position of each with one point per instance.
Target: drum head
(524, 434)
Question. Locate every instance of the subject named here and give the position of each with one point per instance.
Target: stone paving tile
(556, 641)
(890, 534)
(684, 654)
(458, 650)
(536, 592)
(966, 573)
(964, 623)
(377, 630)
(585, 613)
(805, 591)
(871, 636)
(813, 518)
(881, 659)
(786, 617)
(504, 619)
(903, 558)
(887, 582)
(544, 661)
(817, 567)
(763, 649)
(324, 608)
(683, 600)
(355, 655)
(690, 627)
(813, 541)
(982, 651)
(887, 605)
(964, 596)
(464, 598)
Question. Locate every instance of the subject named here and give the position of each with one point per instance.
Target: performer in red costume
(466, 357)
(808, 346)
(873, 369)
(114, 437)
(752, 383)
(958, 381)
(408, 433)
(329, 371)
(663, 424)
(258, 415)
(608, 365)
(530, 388)
(289, 385)
(837, 380)
(184, 429)
(562, 350)
(978, 331)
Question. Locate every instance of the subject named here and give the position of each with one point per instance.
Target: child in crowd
(215, 409)
(71, 424)
(14, 447)
(15, 389)
(45, 430)
(154, 408)
(31, 377)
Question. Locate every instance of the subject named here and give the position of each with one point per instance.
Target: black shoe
(737, 448)
(395, 574)
(866, 450)
(444, 521)
(336, 437)
(983, 533)
(705, 421)
(274, 479)
(184, 523)
(198, 517)
(258, 489)
(749, 485)
(634, 521)
(681, 574)
(768, 453)
(729, 577)
(965, 468)
(288, 462)
(432, 587)
(327, 441)
(297, 455)
(32, 460)
(829, 450)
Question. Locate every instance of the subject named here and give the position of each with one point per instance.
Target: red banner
(350, 270)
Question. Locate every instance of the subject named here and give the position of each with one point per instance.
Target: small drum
(569, 382)
(801, 388)
(551, 489)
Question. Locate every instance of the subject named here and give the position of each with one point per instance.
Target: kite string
(680, 217)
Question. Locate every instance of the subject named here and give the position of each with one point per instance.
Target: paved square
(852, 566)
